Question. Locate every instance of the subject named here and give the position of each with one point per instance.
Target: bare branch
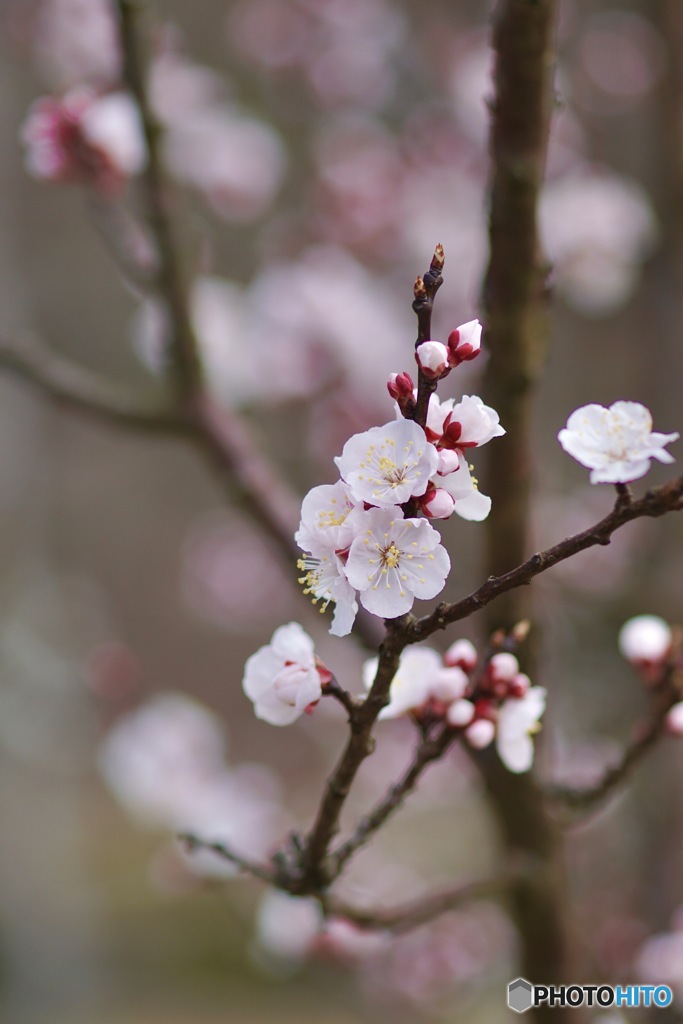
(656, 502)
(583, 800)
(85, 392)
(429, 750)
(260, 871)
(170, 278)
(415, 913)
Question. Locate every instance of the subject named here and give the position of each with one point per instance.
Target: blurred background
(321, 148)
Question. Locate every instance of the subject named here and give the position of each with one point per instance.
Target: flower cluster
(362, 538)
(490, 701)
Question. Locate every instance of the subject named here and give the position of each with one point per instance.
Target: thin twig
(424, 909)
(425, 291)
(193, 842)
(656, 502)
(171, 284)
(583, 800)
(429, 750)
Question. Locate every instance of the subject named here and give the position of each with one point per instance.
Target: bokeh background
(320, 148)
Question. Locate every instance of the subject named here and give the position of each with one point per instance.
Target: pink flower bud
(674, 719)
(645, 640)
(519, 686)
(464, 342)
(503, 667)
(432, 358)
(400, 385)
(460, 713)
(439, 504)
(462, 654)
(480, 733)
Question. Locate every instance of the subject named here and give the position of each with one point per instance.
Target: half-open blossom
(85, 138)
(465, 424)
(645, 639)
(394, 560)
(386, 466)
(282, 678)
(432, 358)
(464, 342)
(616, 444)
(437, 503)
(518, 720)
(421, 679)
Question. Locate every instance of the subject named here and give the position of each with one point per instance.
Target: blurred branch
(656, 502)
(429, 750)
(85, 392)
(260, 871)
(424, 909)
(583, 800)
(171, 284)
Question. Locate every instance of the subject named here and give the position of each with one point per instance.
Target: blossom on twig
(388, 465)
(617, 443)
(283, 678)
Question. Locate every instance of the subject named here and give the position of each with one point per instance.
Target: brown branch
(171, 284)
(429, 750)
(585, 799)
(425, 291)
(87, 393)
(343, 697)
(424, 909)
(260, 871)
(656, 502)
(318, 869)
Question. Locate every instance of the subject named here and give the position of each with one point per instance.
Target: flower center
(391, 556)
(391, 472)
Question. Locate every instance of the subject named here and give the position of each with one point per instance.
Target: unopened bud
(432, 358)
(674, 720)
(503, 667)
(462, 654)
(419, 290)
(519, 686)
(645, 640)
(460, 712)
(464, 342)
(400, 385)
(448, 461)
(438, 504)
(480, 733)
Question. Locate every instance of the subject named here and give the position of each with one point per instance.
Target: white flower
(281, 678)
(325, 578)
(517, 721)
(387, 465)
(645, 638)
(432, 357)
(420, 677)
(112, 123)
(324, 517)
(396, 560)
(470, 503)
(287, 926)
(617, 444)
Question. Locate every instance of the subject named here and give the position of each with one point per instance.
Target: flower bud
(402, 389)
(519, 686)
(503, 667)
(674, 719)
(480, 733)
(438, 504)
(464, 342)
(645, 640)
(461, 654)
(432, 358)
(460, 713)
